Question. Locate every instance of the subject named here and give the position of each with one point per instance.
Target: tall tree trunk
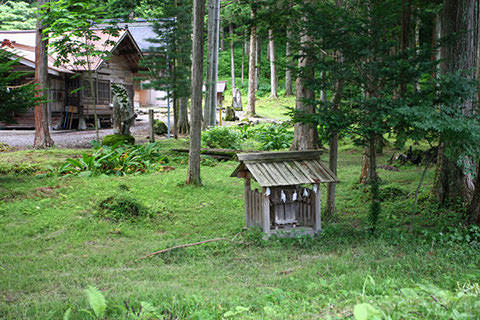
(212, 71)
(333, 151)
(42, 133)
(364, 172)
(176, 106)
(305, 134)
(213, 102)
(458, 17)
(474, 207)
(175, 101)
(290, 65)
(251, 67)
(210, 58)
(232, 60)
(405, 34)
(222, 39)
(244, 50)
(273, 72)
(258, 58)
(183, 125)
(193, 176)
(375, 206)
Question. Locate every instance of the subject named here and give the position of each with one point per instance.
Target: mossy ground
(53, 244)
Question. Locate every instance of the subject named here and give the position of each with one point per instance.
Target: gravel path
(23, 139)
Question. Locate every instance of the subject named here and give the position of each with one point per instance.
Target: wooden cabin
(69, 92)
(289, 201)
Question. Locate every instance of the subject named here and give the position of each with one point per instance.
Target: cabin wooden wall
(116, 70)
(253, 208)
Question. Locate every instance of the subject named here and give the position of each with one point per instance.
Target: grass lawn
(53, 245)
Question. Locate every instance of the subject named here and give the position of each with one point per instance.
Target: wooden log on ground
(223, 154)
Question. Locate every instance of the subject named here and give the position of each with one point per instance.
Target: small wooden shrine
(289, 201)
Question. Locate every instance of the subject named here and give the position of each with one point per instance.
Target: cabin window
(73, 94)
(103, 92)
(86, 92)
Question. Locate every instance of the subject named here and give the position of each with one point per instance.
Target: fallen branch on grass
(181, 246)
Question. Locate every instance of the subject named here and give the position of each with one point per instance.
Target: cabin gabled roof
(273, 169)
(22, 44)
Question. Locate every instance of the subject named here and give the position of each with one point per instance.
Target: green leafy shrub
(116, 139)
(122, 208)
(392, 193)
(209, 162)
(251, 144)
(116, 160)
(5, 147)
(159, 127)
(16, 99)
(222, 138)
(273, 136)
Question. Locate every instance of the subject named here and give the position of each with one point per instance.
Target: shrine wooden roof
(272, 169)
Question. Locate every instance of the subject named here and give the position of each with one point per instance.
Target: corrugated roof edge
(280, 156)
(305, 167)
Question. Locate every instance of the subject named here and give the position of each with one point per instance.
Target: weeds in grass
(122, 208)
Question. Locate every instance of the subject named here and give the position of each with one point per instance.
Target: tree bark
(232, 60)
(458, 16)
(213, 102)
(474, 207)
(405, 34)
(42, 133)
(251, 68)
(193, 176)
(333, 151)
(473, 211)
(373, 180)
(244, 50)
(176, 107)
(365, 165)
(305, 134)
(212, 60)
(258, 58)
(222, 39)
(183, 125)
(273, 72)
(290, 65)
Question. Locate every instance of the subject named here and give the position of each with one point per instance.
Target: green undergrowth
(34, 161)
(57, 240)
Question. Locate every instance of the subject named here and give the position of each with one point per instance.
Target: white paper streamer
(315, 188)
(294, 196)
(283, 196)
(267, 192)
(305, 192)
